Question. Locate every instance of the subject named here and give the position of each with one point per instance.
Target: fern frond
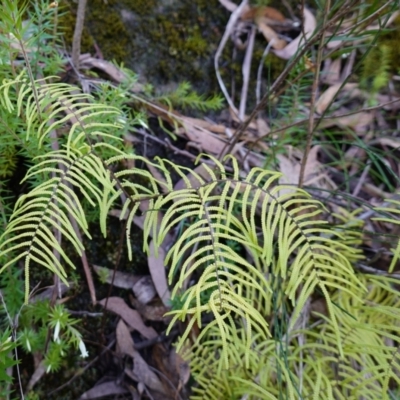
(54, 105)
(271, 224)
(394, 209)
(48, 208)
(184, 96)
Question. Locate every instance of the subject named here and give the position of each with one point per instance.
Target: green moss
(382, 60)
(167, 41)
(103, 27)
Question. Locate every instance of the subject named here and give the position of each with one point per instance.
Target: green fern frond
(376, 66)
(185, 97)
(271, 218)
(48, 106)
(48, 207)
(394, 209)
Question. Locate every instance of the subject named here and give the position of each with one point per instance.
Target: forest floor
(328, 121)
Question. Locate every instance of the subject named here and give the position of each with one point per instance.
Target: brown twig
(304, 121)
(314, 90)
(282, 77)
(76, 41)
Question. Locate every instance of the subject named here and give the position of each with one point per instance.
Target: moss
(103, 28)
(167, 41)
(382, 60)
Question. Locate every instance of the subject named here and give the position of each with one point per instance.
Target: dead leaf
(142, 373)
(173, 367)
(122, 280)
(270, 35)
(388, 141)
(290, 168)
(115, 73)
(104, 389)
(347, 26)
(124, 339)
(130, 316)
(207, 141)
(212, 127)
(159, 176)
(194, 179)
(144, 289)
(154, 311)
(359, 122)
(48, 292)
(158, 273)
(145, 374)
(181, 366)
(290, 50)
(330, 74)
(326, 97)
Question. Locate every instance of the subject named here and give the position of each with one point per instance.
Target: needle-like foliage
(260, 253)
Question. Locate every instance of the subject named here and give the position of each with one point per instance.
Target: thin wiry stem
(271, 93)
(314, 95)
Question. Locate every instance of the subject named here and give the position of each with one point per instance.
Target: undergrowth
(280, 304)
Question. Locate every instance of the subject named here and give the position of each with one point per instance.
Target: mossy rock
(166, 41)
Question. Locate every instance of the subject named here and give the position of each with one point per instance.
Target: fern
(185, 97)
(259, 248)
(376, 68)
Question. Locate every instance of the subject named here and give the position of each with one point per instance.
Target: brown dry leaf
(360, 122)
(269, 16)
(159, 176)
(319, 306)
(194, 182)
(269, 13)
(104, 389)
(181, 366)
(144, 289)
(330, 74)
(130, 316)
(173, 367)
(388, 141)
(326, 97)
(290, 50)
(394, 102)
(122, 280)
(347, 26)
(158, 273)
(291, 170)
(47, 293)
(143, 374)
(270, 35)
(263, 128)
(234, 117)
(155, 311)
(216, 128)
(124, 340)
(204, 138)
(313, 166)
(110, 69)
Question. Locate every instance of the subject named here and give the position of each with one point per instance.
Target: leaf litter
(162, 373)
